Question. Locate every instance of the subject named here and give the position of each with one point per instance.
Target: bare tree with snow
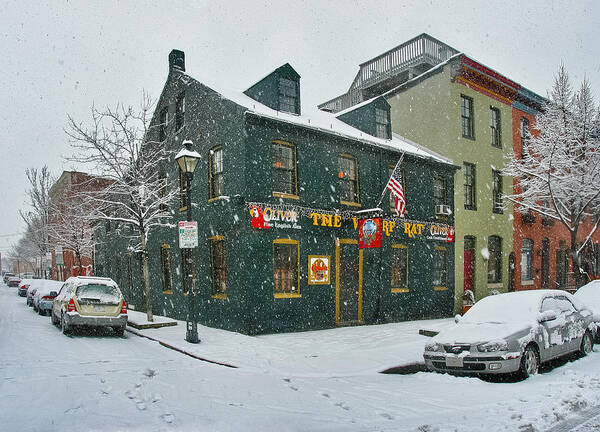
(116, 146)
(559, 171)
(36, 220)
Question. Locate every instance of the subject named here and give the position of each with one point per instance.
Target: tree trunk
(577, 275)
(78, 255)
(146, 271)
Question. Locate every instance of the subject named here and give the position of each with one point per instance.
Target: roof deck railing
(421, 50)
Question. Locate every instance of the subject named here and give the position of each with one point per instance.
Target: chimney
(177, 60)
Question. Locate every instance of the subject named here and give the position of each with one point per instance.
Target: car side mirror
(457, 318)
(546, 316)
(53, 294)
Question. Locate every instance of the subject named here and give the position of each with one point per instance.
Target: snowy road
(50, 382)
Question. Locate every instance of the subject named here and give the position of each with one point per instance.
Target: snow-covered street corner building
(294, 232)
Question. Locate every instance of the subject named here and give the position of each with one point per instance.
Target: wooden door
(469, 267)
(348, 282)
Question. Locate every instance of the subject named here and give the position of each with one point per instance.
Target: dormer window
(381, 122)
(288, 95)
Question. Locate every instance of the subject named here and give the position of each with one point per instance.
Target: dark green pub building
(280, 197)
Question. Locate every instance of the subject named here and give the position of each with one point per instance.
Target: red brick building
(540, 257)
(64, 195)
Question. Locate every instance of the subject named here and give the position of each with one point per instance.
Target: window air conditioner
(443, 209)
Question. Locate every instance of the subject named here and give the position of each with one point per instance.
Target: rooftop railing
(422, 50)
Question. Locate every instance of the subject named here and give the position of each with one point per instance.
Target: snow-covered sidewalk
(346, 351)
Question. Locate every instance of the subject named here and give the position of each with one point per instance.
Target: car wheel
(530, 362)
(587, 344)
(64, 326)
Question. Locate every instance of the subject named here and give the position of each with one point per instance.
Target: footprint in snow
(141, 406)
(167, 418)
(150, 373)
(343, 406)
(387, 416)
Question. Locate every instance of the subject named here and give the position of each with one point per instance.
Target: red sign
(450, 235)
(369, 233)
(258, 218)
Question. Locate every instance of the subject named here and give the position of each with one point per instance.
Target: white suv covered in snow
(89, 302)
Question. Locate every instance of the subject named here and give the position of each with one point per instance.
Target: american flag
(394, 185)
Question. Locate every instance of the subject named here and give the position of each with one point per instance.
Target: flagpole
(385, 187)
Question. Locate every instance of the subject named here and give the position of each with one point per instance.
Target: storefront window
(440, 267)
(399, 268)
(218, 266)
(165, 260)
(286, 265)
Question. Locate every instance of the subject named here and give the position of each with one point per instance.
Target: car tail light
(47, 298)
(123, 307)
(71, 306)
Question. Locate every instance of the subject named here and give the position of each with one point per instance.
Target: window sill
(470, 208)
(527, 282)
(399, 290)
(220, 197)
(495, 285)
(349, 203)
(472, 138)
(167, 292)
(287, 295)
(285, 195)
(440, 288)
(219, 296)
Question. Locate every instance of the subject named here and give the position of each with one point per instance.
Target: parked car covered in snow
(512, 332)
(45, 293)
(85, 301)
(23, 288)
(30, 289)
(589, 294)
(13, 281)
(6, 276)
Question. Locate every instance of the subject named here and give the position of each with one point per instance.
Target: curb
(152, 325)
(408, 369)
(182, 351)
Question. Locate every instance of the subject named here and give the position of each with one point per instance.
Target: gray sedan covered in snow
(512, 332)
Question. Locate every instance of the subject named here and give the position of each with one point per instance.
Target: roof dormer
(371, 117)
(280, 90)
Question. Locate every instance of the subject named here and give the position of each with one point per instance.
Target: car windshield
(503, 308)
(98, 293)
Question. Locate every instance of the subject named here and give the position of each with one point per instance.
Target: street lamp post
(187, 160)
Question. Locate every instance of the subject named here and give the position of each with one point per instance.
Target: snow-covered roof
(84, 280)
(325, 122)
(45, 286)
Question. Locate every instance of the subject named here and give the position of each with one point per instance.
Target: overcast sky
(61, 57)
